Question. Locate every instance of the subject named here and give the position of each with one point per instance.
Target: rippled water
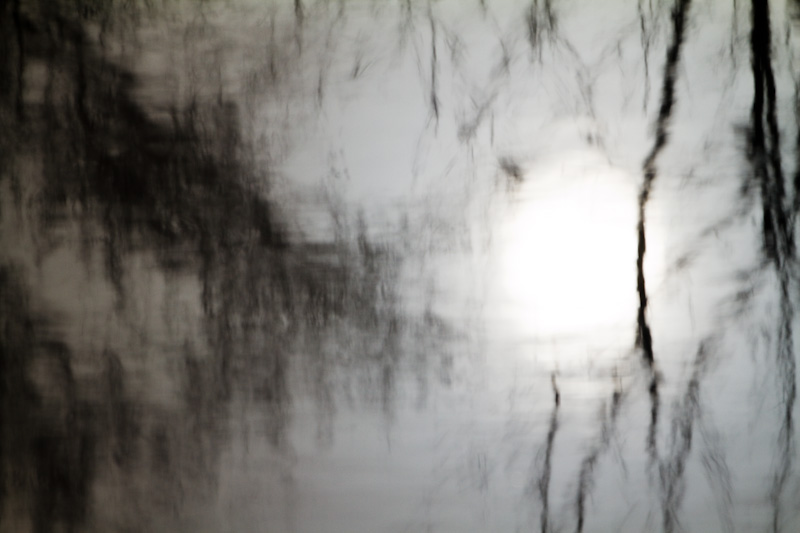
(359, 266)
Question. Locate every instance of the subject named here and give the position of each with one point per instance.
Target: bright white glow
(568, 259)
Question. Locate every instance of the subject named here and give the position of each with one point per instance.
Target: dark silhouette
(544, 479)
(644, 337)
(778, 237)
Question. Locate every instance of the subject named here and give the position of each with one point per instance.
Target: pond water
(365, 265)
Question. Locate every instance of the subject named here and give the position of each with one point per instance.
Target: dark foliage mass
(130, 184)
(49, 435)
(79, 150)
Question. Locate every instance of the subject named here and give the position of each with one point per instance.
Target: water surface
(367, 266)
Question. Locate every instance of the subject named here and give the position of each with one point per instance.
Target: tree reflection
(167, 312)
(89, 165)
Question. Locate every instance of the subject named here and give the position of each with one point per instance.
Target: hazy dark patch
(540, 22)
(511, 168)
(124, 423)
(48, 433)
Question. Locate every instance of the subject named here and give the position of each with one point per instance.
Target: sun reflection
(568, 251)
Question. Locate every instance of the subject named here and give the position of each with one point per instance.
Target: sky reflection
(370, 266)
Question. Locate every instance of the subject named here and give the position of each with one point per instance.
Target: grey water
(403, 266)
